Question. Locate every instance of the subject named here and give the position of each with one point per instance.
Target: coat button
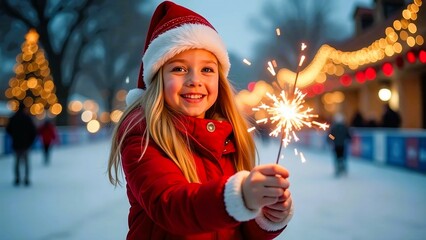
(210, 127)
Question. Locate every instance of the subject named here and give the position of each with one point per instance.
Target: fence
(397, 147)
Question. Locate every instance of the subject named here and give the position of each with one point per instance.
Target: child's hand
(280, 210)
(265, 186)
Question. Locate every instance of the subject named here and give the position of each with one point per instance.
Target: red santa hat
(173, 30)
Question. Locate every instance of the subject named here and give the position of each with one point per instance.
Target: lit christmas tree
(33, 85)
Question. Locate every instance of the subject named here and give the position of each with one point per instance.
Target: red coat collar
(211, 138)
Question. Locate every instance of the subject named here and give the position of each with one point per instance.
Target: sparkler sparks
(288, 112)
(278, 31)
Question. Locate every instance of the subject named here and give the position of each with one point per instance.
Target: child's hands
(280, 210)
(265, 186)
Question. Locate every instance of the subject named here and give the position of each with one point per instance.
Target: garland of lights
(331, 61)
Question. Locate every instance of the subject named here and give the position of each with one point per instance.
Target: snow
(72, 199)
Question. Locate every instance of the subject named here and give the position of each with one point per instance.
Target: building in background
(397, 77)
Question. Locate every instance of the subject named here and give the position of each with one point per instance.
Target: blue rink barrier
(66, 135)
(396, 147)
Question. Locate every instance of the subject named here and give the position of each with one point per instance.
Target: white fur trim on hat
(133, 95)
(234, 201)
(179, 39)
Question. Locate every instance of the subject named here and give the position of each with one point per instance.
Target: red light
(411, 57)
(310, 92)
(251, 85)
(422, 56)
(346, 80)
(387, 69)
(370, 73)
(318, 88)
(360, 77)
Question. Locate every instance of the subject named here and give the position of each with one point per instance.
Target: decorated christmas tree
(33, 85)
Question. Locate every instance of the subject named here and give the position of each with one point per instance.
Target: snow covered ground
(72, 199)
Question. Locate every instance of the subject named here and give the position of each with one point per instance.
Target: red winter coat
(47, 132)
(163, 205)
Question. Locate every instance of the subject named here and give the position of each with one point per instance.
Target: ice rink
(72, 199)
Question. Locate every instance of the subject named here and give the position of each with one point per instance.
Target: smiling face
(191, 81)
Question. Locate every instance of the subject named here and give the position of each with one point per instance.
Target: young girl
(187, 157)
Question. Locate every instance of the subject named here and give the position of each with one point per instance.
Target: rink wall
(396, 147)
(67, 136)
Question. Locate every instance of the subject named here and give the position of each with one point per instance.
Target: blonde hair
(160, 127)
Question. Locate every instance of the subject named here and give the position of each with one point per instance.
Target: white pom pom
(133, 95)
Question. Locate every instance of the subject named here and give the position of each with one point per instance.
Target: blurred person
(371, 121)
(183, 146)
(340, 135)
(49, 136)
(390, 118)
(23, 132)
(357, 120)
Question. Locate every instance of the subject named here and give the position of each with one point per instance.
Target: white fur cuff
(267, 225)
(234, 201)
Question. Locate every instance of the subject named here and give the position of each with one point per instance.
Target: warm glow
(121, 95)
(90, 105)
(13, 105)
(32, 36)
(385, 94)
(116, 115)
(32, 84)
(86, 116)
(104, 118)
(75, 106)
(396, 39)
(420, 40)
(56, 109)
(289, 114)
(93, 126)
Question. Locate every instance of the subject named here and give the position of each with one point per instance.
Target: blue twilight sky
(231, 18)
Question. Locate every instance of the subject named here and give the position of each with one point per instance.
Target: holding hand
(280, 210)
(266, 185)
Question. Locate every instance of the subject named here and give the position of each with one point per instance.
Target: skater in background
(339, 138)
(23, 132)
(48, 136)
(390, 118)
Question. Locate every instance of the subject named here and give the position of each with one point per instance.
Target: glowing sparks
(271, 68)
(289, 114)
(302, 59)
(246, 62)
(302, 158)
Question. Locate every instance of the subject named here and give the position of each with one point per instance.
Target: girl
(187, 157)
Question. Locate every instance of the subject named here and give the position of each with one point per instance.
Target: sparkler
(288, 112)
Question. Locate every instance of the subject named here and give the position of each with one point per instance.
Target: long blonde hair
(161, 120)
